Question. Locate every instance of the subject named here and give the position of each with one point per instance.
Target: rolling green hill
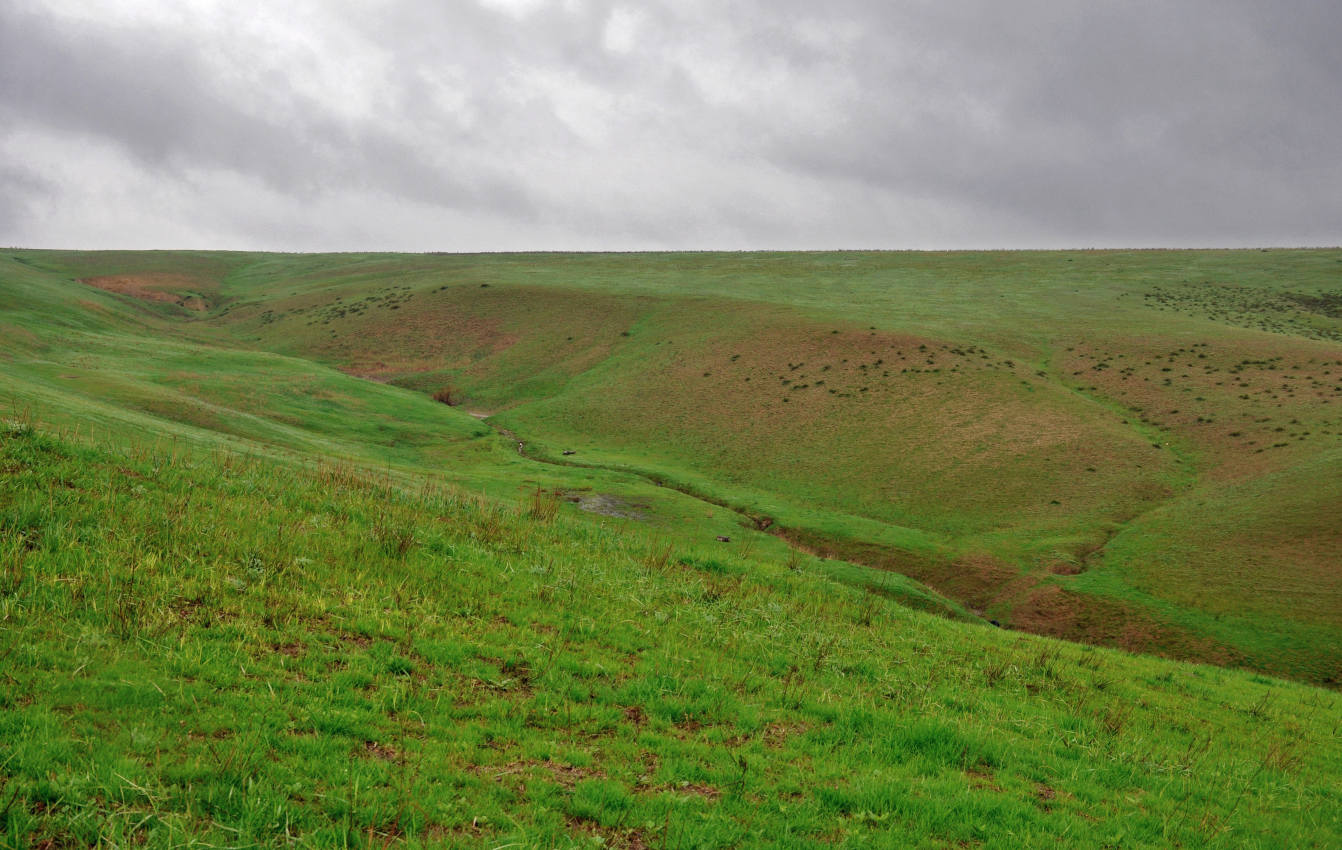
(1141, 449)
(260, 587)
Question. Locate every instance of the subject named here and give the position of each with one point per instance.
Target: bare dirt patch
(635, 715)
(351, 639)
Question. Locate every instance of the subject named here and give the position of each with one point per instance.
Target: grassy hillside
(250, 597)
(126, 369)
(214, 648)
(1139, 449)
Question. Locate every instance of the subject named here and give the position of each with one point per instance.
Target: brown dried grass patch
(159, 287)
(479, 331)
(1057, 612)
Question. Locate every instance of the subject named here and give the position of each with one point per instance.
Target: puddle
(608, 505)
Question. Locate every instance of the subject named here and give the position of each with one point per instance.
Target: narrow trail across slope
(1038, 605)
(800, 540)
(760, 522)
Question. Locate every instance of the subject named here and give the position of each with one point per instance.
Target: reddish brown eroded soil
(474, 331)
(1054, 611)
(159, 288)
(1033, 603)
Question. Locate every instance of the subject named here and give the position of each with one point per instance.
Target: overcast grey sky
(592, 124)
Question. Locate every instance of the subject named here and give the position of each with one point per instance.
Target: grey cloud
(719, 124)
(20, 192)
(1197, 121)
(153, 97)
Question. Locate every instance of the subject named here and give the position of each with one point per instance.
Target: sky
(492, 125)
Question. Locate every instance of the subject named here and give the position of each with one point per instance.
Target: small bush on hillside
(449, 396)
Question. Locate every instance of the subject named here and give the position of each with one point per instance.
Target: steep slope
(207, 647)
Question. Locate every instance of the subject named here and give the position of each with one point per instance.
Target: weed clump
(449, 396)
(544, 505)
(395, 538)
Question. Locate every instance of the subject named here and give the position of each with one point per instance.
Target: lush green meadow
(1140, 449)
(215, 649)
(258, 587)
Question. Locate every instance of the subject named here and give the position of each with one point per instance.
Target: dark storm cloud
(1153, 122)
(584, 124)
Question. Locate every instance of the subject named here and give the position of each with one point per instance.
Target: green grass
(220, 649)
(249, 597)
(1027, 408)
(1048, 412)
